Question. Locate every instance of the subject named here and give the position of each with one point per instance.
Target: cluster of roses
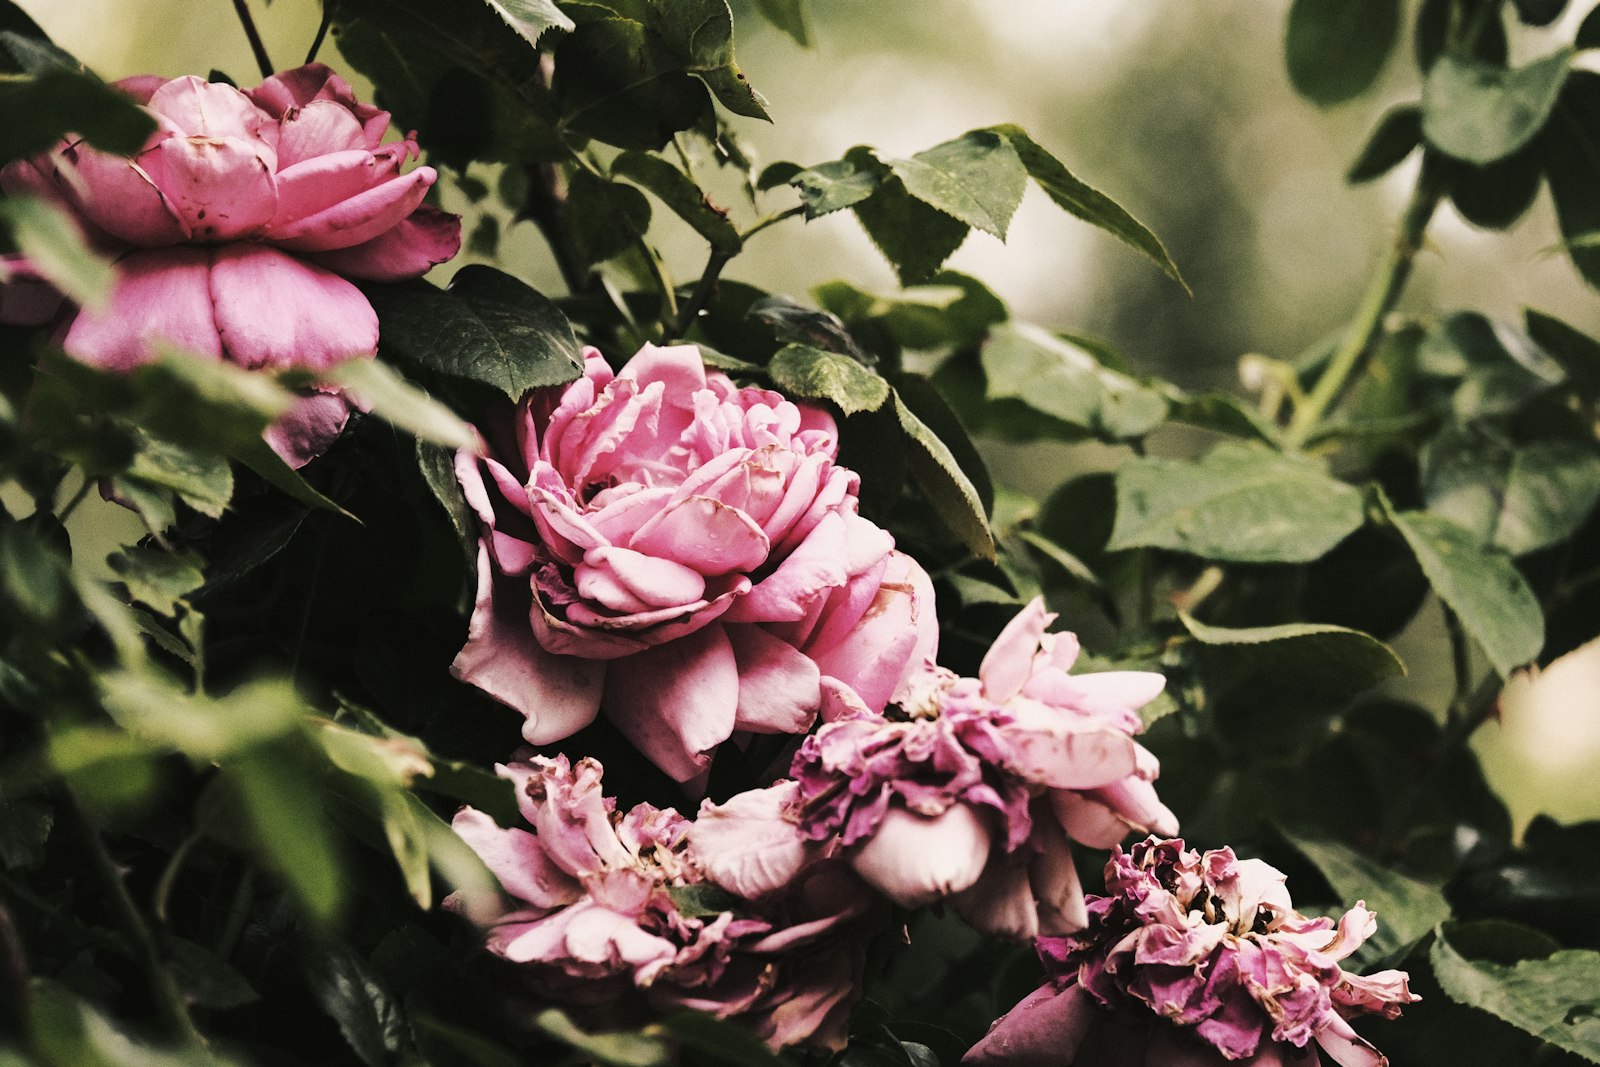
(686, 557)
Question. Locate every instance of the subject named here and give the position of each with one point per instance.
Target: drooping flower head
(1199, 959)
(236, 227)
(603, 912)
(968, 788)
(683, 553)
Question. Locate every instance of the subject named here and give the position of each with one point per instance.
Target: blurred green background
(1181, 111)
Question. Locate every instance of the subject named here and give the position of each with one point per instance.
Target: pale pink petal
(1000, 903)
(705, 534)
(810, 572)
(628, 581)
(1009, 661)
(1116, 689)
(1054, 748)
(677, 702)
(220, 188)
(518, 860)
(1348, 1048)
(318, 128)
(139, 87)
(917, 859)
(1043, 1030)
(750, 845)
(357, 219)
(874, 657)
(162, 298)
(274, 310)
(559, 695)
(419, 242)
(210, 109)
(779, 688)
(309, 428)
(1055, 882)
(1086, 821)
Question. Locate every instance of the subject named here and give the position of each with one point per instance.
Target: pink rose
(1197, 959)
(592, 917)
(967, 789)
(683, 554)
(235, 227)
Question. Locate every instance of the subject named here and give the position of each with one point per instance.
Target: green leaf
(700, 34)
(607, 218)
(1087, 203)
(617, 83)
(701, 900)
(1406, 908)
(1396, 136)
(41, 110)
(1554, 998)
(1518, 497)
(24, 828)
(487, 327)
(285, 805)
(1479, 112)
(1064, 380)
(53, 244)
(531, 18)
(203, 728)
(1571, 149)
(1497, 195)
(1440, 24)
(1588, 35)
(368, 1013)
(952, 494)
(621, 1049)
(157, 578)
(380, 390)
(203, 480)
(1576, 352)
(1538, 12)
(800, 370)
(65, 1030)
(728, 1041)
(915, 238)
(682, 196)
(1220, 413)
(1480, 585)
(977, 178)
(924, 400)
(788, 16)
(842, 183)
(1336, 48)
(1327, 664)
(1238, 503)
(205, 979)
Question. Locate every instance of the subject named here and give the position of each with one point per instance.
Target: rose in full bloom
(236, 228)
(593, 917)
(684, 554)
(1197, 959)
(968, 788)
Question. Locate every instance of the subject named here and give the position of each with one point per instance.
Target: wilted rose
(1196, 959)
(236, 226)
(684, 554)
(969, 789)
(594, 916)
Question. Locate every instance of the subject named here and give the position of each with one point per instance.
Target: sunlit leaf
(1479, 112)
(1552, 998)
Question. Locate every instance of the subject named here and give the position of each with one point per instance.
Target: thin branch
(242, 8)
(322, 29)
(690, 311)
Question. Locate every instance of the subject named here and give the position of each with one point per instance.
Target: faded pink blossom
(683, 554)
(605, 910)
(967, 789)
(236, 227)
(1200, 960)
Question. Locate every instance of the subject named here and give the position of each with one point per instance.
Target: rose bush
(1198, 959)
(684, 554)
(969, 789)
(594, 917)
(236, 228)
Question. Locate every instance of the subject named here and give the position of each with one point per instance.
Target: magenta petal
(357, 219)
(26, 297)
(119, 197)
(677, 702)
(1000, 903)
(627, 581)
(749, 845)
(559, 695)
(274, 310)
(917, 859)
(779, 688)
(309, 428)
(1055, 882)
(162, 297)
(418, 243)
(221, 189)
(1043, 1030)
